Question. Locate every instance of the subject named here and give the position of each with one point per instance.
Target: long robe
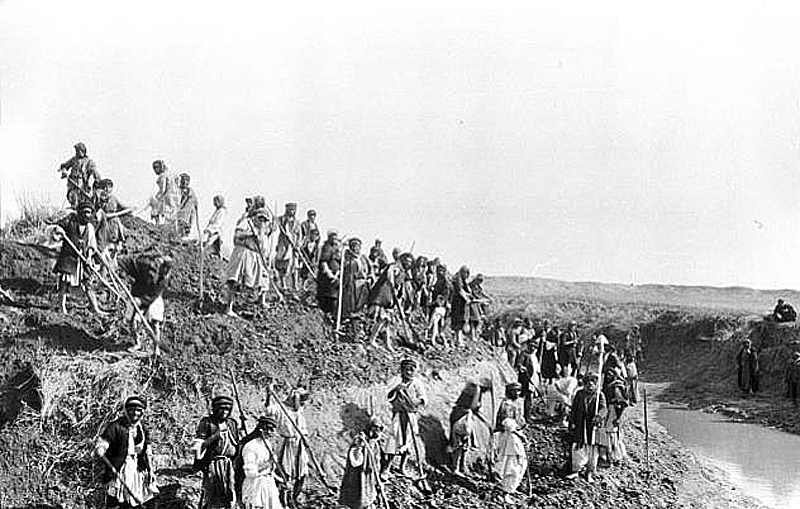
(512, 460)
(126, 448)
(583, 413)
(459, 311)
(216, 463)
(406, 398)
(292, 454)
(749, 372)
(259, 490)
(360, 480)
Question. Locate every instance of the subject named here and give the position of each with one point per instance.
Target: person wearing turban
(406, 398)
(123, 446)
(81, 174)
(215, 445)
(165, 202)
(212, 234)
(77, 231)
(259, 488)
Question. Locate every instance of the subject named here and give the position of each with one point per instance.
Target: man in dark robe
(459, 305)
(124, 446)
(462, 422)
(569, 349)
(330, 262)
(749, 372)
(587, 414)
(792, 377)
(361, 484)
(215, 445)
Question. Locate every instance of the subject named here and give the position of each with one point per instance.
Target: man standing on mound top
(248, 263)
(215, 445)
(285, 251)
(123, 447)
(81, 174)
(406, 398)
(150, 272)
(77, 232)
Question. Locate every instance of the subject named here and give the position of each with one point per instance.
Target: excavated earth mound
(65, 377)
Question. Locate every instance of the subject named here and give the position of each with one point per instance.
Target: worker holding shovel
(123, 447)
(150, 272)
(406, 398)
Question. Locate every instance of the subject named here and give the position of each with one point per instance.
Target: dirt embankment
(698, 355)
(80, 375)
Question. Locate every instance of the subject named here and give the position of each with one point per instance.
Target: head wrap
(105, 183)
(311, 212)
(266, 420)
(259, 202)
(135, 402)
(258, 212)
(354, 240)
(80, 146)
(291, 206)
(222, 402)
(375, 422)
(160, 164)
(331, 233)
(85, 205)
(405, 256)
(184, 177)
(407, 362)
(220, 199)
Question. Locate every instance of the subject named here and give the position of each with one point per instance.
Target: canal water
(762, 462)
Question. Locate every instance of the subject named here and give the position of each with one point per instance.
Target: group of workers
(352, 288)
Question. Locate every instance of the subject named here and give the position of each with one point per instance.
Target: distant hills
(734, 298)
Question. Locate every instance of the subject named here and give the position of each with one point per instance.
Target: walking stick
(599, 387)
(341, 284)
(303, 439)
(646, 433)
(91, 267)
(133, 495)
(199, 243)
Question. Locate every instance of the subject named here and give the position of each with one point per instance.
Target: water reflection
(762, 462)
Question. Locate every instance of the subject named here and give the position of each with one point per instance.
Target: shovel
(421, 482)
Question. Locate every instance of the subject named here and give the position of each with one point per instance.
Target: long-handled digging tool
(265, 260)
(422, 481)
(646, 435)
(136, 308)
(303, 439)
(116, 473)
(242, 415)
(200, 244)
(341, 284)
(89, 265)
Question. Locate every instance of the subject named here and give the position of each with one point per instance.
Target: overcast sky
(617, 142)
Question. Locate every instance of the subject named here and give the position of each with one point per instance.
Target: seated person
(784, 312)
